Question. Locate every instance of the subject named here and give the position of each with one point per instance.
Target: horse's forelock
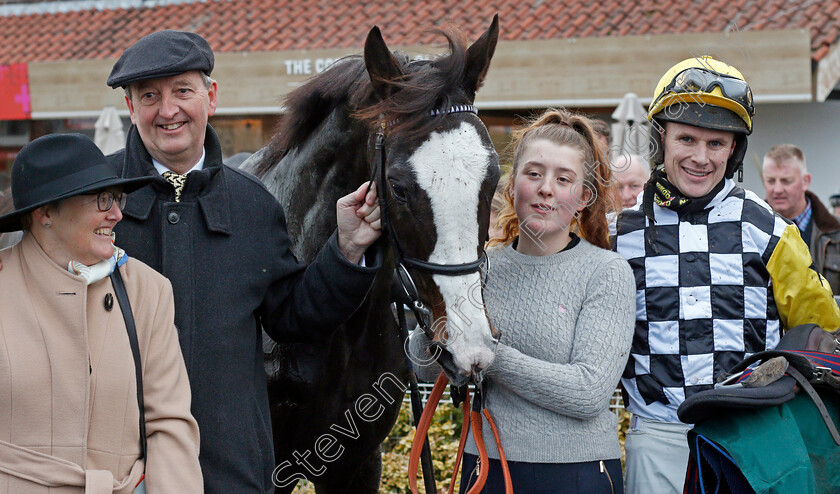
(426, 86)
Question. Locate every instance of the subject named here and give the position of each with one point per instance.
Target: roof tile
(588, 30)
(579, 20)
(253, 25)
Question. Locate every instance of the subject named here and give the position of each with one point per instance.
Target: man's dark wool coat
(225, 249)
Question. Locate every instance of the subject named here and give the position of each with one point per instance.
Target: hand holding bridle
(359, 222)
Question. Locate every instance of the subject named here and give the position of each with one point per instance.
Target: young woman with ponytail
(558, 129)
(565, 306)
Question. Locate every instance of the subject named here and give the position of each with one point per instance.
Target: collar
(723, 193)
(208, 185)
(651, 210)
(161, 168)
(803, 218)
(823, 219)
(573, 241)
(39, 266)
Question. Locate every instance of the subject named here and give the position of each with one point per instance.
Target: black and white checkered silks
(703, 295)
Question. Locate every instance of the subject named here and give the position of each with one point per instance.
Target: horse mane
(426, 85)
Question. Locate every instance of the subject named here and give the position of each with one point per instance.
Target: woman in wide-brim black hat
(73, 354)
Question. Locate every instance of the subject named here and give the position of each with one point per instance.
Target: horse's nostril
(477, 371)
(477, 376)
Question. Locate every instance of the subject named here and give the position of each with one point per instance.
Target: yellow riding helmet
(703, 83)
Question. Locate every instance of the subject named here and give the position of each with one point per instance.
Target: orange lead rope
(502, 459)
(464, 433)
(483, 461)
(470, 418)
(423, 428)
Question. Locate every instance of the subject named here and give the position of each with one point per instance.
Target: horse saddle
(806, 356)
(740, 424)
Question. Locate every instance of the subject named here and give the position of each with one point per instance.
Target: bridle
(424, 316)
(402, 261)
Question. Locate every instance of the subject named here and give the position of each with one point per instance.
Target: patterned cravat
(177, 181)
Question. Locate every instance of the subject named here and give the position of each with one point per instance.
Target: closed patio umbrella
(632, 131)
(109, 136)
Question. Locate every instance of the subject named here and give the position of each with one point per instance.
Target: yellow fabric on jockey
(802, 295)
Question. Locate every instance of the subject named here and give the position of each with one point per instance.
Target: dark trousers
(553, 478)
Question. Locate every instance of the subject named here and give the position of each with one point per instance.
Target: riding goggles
(698, 80)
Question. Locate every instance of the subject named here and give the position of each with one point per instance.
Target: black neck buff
(658, 189)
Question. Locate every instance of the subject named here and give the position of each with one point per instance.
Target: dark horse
(334, 403)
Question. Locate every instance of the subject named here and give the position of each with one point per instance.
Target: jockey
(718, 275)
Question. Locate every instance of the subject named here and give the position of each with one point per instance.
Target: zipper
(605, 471)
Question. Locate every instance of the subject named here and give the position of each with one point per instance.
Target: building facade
(55, 57)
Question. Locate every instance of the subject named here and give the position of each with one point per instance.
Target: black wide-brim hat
(56, 167)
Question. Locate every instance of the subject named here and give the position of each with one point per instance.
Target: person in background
(718, 274)
(604, 135)
(564, 305)
(70, 417)
(786, 182)
(834, 199)
(631, 172)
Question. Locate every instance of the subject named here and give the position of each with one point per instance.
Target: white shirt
(161, 168)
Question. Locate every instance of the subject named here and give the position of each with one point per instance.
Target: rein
(424, 318)
(472, 418)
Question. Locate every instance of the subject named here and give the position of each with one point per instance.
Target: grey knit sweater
(567, 323)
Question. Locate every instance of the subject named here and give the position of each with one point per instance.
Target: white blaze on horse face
(451, 167)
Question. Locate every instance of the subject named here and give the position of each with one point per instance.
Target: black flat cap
(162, 54)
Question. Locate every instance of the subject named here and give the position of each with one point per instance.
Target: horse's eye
(398, 192)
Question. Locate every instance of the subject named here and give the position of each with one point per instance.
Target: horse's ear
(479, 55)
(381, 64)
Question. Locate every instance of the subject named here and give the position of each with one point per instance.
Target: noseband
(420, 310)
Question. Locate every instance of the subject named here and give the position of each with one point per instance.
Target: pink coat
(68, 396)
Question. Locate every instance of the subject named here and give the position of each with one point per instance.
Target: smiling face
(78, 230)
(695, 158)
(171, 116)
(548, 191)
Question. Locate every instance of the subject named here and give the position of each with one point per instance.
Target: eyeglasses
(697, 80)
(106, 199)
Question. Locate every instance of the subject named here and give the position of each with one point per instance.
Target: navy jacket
(225, 249)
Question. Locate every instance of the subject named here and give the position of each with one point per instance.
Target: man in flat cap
(220, 237)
